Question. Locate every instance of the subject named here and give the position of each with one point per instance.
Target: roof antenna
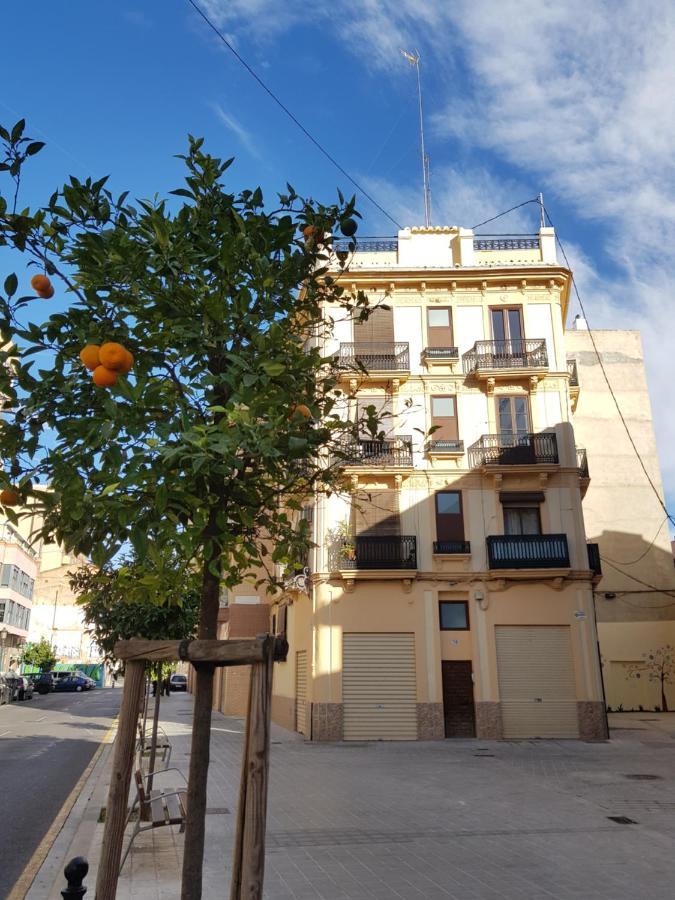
(542, 212)
(414, 59)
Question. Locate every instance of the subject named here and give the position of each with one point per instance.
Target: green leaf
(11, 284)
(17, 131)
(110, 489)
(34, 148)
(273, 368)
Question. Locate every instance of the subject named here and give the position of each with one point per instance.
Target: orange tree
(191, 435)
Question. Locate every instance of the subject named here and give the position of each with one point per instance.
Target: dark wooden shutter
(447, 424)
(376, 513)
(439, 335)
(449, 524)
(378, 328)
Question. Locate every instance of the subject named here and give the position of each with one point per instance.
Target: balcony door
(513, 420)
(449, 517)
(444, 417)
(507, 324)
(523, 519)
(378, 328)
(375, 413)
(439, 326)
(375, 514)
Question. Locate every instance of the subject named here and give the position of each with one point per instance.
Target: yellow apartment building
(450, 593)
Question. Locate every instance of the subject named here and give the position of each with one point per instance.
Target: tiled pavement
(474, 820)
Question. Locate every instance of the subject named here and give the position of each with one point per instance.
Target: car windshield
(178, 678)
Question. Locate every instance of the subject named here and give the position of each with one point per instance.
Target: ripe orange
(128, 363)
(301, 410)
(104, 377)
(48, 294)
(113, 356)
(40, 283)
(89, 356)
(8, 497)
(309, 231)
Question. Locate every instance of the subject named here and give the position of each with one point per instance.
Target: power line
(632, 562)
(290, 114)
(606, 377)
(668, 591)
(499, 215)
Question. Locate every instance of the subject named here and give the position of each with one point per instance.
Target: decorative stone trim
(327, 722)
(430, 724)
(592, 720)
(489, 721)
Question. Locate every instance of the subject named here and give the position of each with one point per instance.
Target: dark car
(71, 681)
(178, 682)
(44, 682)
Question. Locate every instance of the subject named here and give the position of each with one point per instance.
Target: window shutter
(376, 513)
(379, 327)
(385, 413)
(439, 326)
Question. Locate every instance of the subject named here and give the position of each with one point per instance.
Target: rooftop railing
(368, 245)
(514, 450)
(506, 242)
(523, 353)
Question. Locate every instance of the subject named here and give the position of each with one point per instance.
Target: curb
(25, 881)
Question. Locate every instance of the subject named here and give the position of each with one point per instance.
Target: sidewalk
(469, 820)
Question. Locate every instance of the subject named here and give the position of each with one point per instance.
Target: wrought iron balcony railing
(380, 552)
(380, 356)
(514, 450)
(525, 353)
(440, 353)
(452, 547)
(445, 446)
(506, 242)
(594, 563)
(368, 245)
(582, 463)
(573, 372)
(528, 551)
(393, 451)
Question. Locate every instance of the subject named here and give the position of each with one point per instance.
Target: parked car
(26, 688)
(71, 681)
(90, 681)
(44, 682)
(5, 690)
(178, 682)
(14, 683)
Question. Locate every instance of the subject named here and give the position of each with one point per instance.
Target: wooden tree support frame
(249, 849)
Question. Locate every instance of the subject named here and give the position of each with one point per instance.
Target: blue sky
(572, 100)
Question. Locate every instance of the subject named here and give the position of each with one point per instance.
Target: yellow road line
(27, 877)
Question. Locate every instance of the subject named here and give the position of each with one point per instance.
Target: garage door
(536, 681)
(301, 691)
(379, 692)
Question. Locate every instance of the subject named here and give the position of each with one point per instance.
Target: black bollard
(75, 872)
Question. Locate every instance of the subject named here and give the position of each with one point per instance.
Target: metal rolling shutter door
(379, 688)
(301, 691)
(536, 681)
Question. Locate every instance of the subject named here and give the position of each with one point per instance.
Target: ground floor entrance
(458, 707)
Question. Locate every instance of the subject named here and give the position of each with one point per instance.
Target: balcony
(445, 448)
(451, 547)
(594, 563)
(442, 356)
(573, 382)
(373, 359)
(528, 551)
(506, 358)
(514, 450)
(395, 451)
(380, 552)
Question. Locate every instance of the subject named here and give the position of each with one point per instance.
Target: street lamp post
(4, 634)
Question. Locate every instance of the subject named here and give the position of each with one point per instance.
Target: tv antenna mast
(414, 59)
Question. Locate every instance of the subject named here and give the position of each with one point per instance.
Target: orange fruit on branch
(301, 410)
(9, 497)
(113, 356)
(104, 377)
(42, 286)
(90, 356)
(128, 363)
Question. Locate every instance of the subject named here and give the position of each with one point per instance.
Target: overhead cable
(293, 118)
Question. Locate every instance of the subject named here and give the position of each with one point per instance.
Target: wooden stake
(118, 794)
(248, 867)
(155, 727)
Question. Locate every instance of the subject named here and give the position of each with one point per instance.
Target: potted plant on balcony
(347, 544)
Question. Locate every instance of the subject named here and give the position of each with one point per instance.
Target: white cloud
(241, 133)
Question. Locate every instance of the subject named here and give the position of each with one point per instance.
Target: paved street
(45, 745)
(460, 820)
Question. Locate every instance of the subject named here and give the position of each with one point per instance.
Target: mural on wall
(657, 666)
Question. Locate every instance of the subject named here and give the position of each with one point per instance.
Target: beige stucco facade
(524, 596)
(635, 599)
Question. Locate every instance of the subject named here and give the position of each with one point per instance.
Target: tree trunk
(195, 827)
(155, 726)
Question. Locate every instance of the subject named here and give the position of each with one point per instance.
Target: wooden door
(449, 518)
(458, 706)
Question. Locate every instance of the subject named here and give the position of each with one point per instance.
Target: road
(45, 745)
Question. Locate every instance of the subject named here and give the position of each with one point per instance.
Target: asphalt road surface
(45, 745)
